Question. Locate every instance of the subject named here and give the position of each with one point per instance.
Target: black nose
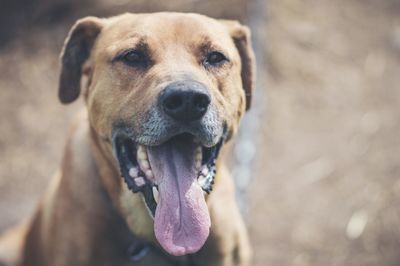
(185, 100)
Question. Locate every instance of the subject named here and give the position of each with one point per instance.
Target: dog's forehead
(177, 28)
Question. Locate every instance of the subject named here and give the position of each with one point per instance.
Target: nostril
(201, 102)
(173, 102)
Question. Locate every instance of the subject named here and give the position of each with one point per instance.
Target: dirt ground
(325, 187)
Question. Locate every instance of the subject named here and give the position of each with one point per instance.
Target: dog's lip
(202, 139)
(143, 141)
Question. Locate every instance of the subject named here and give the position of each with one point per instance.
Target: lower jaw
(136, 214)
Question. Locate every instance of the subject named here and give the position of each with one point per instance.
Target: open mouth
(173, 178)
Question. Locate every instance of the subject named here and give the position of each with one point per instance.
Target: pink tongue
(182, 221)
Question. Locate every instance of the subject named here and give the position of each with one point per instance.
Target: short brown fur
(88, 216)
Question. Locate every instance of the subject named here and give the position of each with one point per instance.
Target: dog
(143, 179)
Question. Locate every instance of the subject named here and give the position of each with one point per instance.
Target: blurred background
(319, 153)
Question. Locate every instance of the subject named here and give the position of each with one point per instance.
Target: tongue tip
(177, 244)
(181, 250)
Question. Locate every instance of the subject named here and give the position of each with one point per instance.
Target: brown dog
(164, 93)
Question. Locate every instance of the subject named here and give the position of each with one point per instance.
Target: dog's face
(167, 90)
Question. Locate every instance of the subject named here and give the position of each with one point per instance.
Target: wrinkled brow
(132, 43)
(206, 45)
(142, 45)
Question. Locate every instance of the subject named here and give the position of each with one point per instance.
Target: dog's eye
(215, 58)
(134, 58)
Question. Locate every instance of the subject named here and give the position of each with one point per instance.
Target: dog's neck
(77, 197)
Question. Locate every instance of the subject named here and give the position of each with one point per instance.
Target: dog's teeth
(201, 180)
(133, 172)
(141, 148)
(198, 164)
(139, 181)
(204, 171)
(145, 165)
(199, 155)
(149, 174)
(142, 155)
(155, 194)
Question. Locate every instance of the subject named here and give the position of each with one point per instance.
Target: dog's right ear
(75, 52)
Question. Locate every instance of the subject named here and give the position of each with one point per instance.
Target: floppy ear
(242, 38)
(75, 52)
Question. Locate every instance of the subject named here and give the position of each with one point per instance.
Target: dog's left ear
(75, 52)
(242, 38)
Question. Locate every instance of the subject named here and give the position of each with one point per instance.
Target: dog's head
(167, 90)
